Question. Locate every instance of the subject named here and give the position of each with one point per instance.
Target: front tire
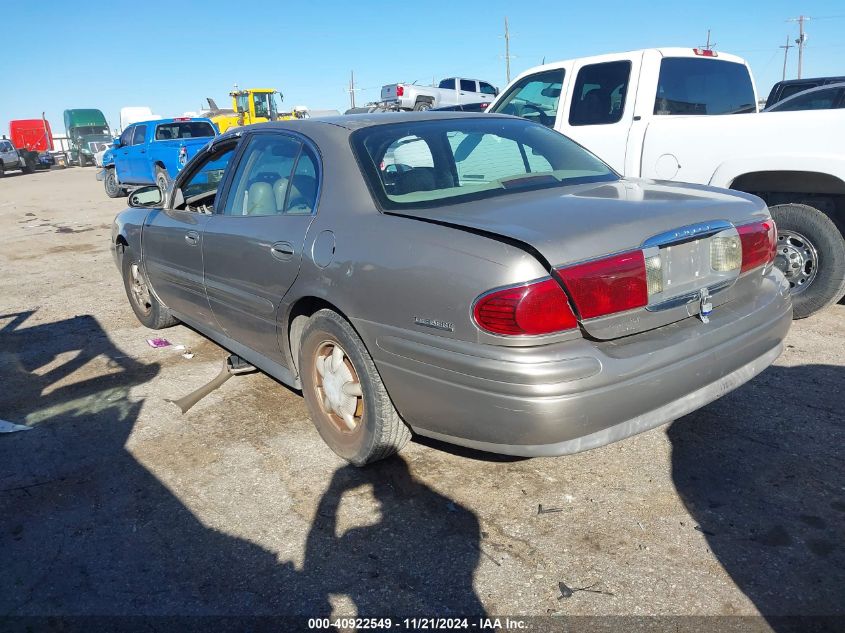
(147, 308)
(344, 393)
(162, 180)
(113, 189)
(811, 254)
(80, 160)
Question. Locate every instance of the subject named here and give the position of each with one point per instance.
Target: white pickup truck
(690, 115)
(450, 92)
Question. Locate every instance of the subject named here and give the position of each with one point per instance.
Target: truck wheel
(162, 180)
(26, 168)
(81, 160)
(811, 254)
(147, 308)
(113, 189)
(2, 169)
(344, 393)
(420, 106)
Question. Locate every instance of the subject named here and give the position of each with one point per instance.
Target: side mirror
(145, 197)
(116, 143)
(496, 92)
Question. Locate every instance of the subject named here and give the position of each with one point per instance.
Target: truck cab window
(262, 108)
(487, 89)
(598, 97)
(689, 85)
(534, 97)
(467, 85)
(447, 84)
(126, 137)
(140, 133)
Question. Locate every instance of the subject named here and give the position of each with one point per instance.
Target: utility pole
(802, 38)
(352, 88)
(785, 48)
(507, 51)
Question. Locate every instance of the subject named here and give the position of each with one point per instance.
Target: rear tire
(811, 253)
(344, 393)
(421, 106)
(147, 308)
(80, 160)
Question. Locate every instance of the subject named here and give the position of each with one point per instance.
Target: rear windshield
(184, 129)
(433, 163)
(690, 85)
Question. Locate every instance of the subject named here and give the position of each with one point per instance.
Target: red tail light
(609, 285)
(536, 308)
(705, 52)
(759, 244)
(400, 90)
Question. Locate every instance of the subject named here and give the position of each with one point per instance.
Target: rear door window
(262, 181)
(534, 97)
(691, 85)
(598, 97)
(468, 85)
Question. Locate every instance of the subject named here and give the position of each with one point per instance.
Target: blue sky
(171, 55)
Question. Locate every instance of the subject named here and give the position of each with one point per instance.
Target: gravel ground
(115, 503)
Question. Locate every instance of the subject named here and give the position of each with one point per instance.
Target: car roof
(832, 86)
(808, 80)
(353, 122)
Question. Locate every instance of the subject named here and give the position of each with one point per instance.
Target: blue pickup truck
(153, 152)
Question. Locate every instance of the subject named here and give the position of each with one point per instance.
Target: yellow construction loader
(253, 105)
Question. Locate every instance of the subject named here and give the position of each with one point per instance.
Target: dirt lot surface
(115, 503)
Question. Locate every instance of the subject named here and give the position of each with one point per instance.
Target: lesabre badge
(705, 307)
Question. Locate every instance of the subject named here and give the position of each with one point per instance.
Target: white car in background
(98, 156)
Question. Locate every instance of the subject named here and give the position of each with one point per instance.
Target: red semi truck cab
(34, 135)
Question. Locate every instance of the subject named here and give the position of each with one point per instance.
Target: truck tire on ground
(419, 106)
(344, 393)
(113, 189)
(811, 253)
(2, 169)
(81, 160)
(147, 308)
(162, 180)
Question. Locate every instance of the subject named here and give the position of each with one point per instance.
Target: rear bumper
(576, 395)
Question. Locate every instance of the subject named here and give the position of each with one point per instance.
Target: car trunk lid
(583, 223)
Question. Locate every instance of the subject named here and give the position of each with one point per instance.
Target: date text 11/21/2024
(419, 623)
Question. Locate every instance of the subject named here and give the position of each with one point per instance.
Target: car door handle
(282, 250)
(192, 238)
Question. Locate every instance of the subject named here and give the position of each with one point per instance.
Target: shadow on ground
(86, 529)
(762, 472)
